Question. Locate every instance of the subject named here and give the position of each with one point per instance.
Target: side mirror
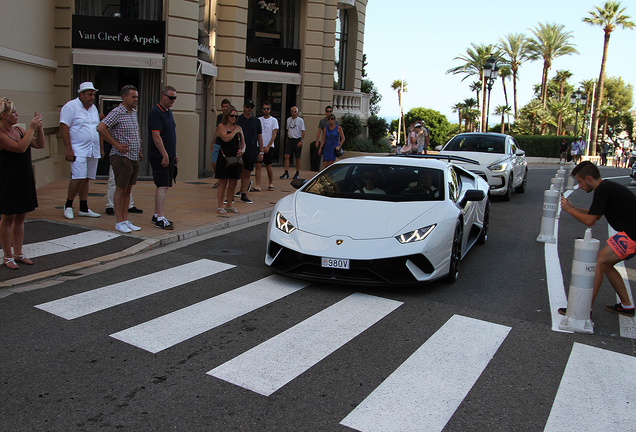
(298, 183)
(438, 148)
(520, 152)
(473, 195)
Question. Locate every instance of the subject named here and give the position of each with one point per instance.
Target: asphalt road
(476, 355)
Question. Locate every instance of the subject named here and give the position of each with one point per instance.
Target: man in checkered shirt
(121, 129)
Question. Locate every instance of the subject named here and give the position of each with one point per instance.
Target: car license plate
(335, 263)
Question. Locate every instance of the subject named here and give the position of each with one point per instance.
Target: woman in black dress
(230, 138)
(17, 185)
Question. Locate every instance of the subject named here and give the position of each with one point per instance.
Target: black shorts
(291, 147)
(267, 157)
(160, 174)
(249, 160)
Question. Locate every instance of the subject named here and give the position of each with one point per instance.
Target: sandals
(255, 189)
(215, 185)
(231, 210)
(10, 263)
(270, 188)
(221, 211)
(23, 259)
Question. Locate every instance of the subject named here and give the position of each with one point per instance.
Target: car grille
(377, 271)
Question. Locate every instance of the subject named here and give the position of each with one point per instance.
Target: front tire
(522, 187)
(508, 195)
(456, 253)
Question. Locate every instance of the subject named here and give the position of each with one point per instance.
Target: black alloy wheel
(483, 235)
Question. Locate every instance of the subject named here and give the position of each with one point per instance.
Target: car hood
(356, 218)
(484, 159)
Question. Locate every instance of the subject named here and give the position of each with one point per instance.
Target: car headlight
(283, 224)
(498, 167)
(416, 235)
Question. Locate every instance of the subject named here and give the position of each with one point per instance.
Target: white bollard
(558, 183)
(550, 207)
(562, 173)
(577, 317)
(571, 182)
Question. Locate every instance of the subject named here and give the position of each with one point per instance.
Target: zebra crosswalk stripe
(424, 392)
(63, 244)
(112, 295)
(171, 329)
(596, 392)
(272, 364)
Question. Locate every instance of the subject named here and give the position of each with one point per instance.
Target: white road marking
(596, 392)
(424, 392)
(272, 364)
(171, 329)
(67, 243)
(103, 298)
(627, 324)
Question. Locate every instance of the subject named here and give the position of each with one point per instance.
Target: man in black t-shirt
(618, 205)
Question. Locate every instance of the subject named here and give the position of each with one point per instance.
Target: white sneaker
(122, 227)
(131, 226)
(68, 212)
(89, 213)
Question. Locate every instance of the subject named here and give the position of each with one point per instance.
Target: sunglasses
(328, 111)
(233, 115)
(171, 97)
(266, 109)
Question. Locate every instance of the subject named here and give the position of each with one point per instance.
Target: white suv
(501, 162)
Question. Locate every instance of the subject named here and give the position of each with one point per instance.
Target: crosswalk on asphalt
(422, 394)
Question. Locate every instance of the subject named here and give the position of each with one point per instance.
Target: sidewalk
(190, 205)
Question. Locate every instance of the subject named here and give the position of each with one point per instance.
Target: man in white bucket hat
(78, 125)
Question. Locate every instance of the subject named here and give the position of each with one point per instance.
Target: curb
(146, 245)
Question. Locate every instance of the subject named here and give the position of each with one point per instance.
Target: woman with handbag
(332, 139)
(229, 164)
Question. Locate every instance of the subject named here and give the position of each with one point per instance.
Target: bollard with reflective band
(550, 207)
(577, 317)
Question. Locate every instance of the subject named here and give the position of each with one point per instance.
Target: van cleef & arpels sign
(120, 34)
(272, 59)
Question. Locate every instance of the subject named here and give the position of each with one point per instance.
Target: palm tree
(588, 89)
(559, 108)
(609, 17)
(474, 62)
(476, 87)
(550, 41)
(502, 110)
(515, 50)
(562, 77)
(458, 108)
(400, 85)
(470, 113)
(505, 73)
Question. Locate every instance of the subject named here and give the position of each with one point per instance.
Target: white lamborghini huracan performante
(380, 220)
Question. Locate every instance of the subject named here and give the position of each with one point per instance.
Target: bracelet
(262, 153)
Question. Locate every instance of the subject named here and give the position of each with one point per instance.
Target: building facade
(304, 53)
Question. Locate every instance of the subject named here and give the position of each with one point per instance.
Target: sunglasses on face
(171, 97)
(266, 108)
(233, 115)
(329, 111)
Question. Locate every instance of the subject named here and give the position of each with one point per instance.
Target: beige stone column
(180, 68)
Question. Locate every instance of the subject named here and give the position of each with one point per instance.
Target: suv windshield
(379, 182)
(477, 143)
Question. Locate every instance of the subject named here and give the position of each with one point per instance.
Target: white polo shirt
(82, 124)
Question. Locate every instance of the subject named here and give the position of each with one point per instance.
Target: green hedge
(542, 145)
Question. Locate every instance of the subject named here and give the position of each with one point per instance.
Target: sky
(423, 38)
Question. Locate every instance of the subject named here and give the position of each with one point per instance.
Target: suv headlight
(498, 167)
(283, 224)
(415, 235)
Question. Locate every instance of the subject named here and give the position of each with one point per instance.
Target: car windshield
(379, 182)
(477, 143)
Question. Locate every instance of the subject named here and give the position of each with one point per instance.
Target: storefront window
(133, 9)
(340, 63)
(273, 23)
